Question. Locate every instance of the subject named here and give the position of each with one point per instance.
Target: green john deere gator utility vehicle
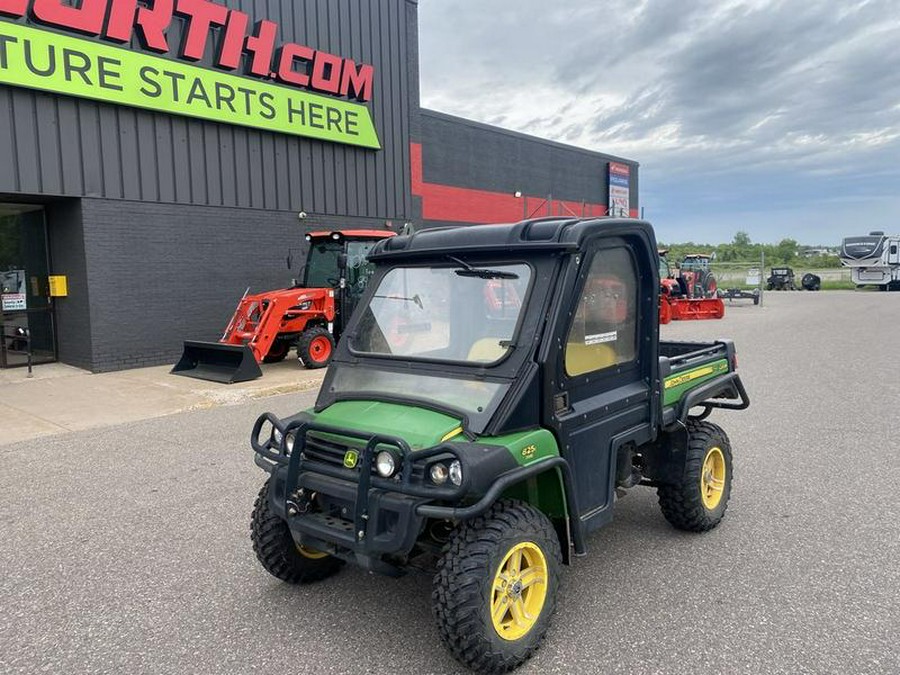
(493, 390)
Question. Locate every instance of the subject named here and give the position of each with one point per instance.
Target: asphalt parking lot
(126, 549)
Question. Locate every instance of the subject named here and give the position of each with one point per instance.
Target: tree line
(742, 250)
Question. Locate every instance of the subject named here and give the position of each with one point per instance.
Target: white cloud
(788, 101)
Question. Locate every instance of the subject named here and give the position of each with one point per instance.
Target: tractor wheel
(277, 352)
(277, 551)
(698, 502)
(315, 347)
(710, 286)
(496, 585)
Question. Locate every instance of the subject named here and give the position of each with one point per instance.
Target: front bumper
(352, 512)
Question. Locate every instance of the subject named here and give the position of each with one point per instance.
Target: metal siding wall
(461, 153)
(64, 146)
(73, 322)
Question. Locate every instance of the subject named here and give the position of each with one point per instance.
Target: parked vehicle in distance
(308, 317)
(495, 390)
(781, 279)
(874, 260)
(675, 302)
(699, 280)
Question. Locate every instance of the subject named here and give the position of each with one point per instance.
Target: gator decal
(676, 385)
(545, 491)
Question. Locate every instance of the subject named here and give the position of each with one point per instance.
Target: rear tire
(697, 503)
(277, 352)
(277, 551)
(496, 585)
(315, 347)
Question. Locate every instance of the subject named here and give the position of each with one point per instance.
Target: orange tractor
(691, 295)
(308, 317)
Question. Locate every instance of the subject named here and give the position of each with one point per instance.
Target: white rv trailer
(873, 260)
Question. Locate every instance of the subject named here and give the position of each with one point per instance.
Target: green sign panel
(38, 59)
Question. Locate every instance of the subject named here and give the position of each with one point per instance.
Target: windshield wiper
(414, 299)
(480, 272)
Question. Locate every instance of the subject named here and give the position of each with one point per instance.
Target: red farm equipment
(698, 279)
(679, 298)
(308, 317)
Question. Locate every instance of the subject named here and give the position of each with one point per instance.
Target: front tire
(315, 347)
(496, 585)
(697, 503)
(277, 551)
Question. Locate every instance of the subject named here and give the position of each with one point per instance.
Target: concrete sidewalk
(60, 398)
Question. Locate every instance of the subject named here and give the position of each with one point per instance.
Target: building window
(603, 331)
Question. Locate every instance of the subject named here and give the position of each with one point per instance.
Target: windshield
(464, 313)
(693, 264)
(322, 264)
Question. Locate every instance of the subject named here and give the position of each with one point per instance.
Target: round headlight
(289, 442)
(385, 464)
(438, 474)
(456, 472)
(276, 437)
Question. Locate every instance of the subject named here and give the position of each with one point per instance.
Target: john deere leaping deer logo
(351, 457)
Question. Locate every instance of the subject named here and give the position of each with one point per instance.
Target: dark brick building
(160, 165)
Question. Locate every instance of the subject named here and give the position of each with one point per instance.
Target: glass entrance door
(24, 286)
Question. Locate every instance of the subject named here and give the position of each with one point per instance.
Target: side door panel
(599, 370)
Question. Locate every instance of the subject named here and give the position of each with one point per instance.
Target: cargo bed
(700, 374)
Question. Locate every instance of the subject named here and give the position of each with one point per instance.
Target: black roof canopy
(542, 234)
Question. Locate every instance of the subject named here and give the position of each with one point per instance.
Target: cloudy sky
(779, 118)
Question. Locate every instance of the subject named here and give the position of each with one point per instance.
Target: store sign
(39, 59)
(619, 197)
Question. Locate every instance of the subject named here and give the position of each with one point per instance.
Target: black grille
(332, 452)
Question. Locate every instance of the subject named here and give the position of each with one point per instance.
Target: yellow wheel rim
(712, 478)
(310, 553)
(519, 591)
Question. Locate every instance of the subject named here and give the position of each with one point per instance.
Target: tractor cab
(337, 260)
(695, 262)
(695, 276)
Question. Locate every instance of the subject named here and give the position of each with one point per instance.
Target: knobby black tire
(278, 553)
(682, 502)
(462, 586)
(303, 346)
(277, 352)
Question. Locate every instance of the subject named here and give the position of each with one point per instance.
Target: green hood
(419, 427)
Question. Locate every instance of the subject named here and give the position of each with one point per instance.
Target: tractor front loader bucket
(217, 362)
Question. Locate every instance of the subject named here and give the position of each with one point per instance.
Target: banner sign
(619, 197)
(39, 59)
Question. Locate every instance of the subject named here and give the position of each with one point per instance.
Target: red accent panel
(469, 205)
